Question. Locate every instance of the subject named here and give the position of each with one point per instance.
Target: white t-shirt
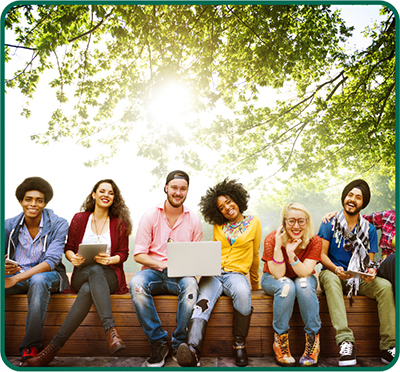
(91, 237)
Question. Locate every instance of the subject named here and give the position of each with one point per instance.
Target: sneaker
(159, 351)
(311, 352)
(347, 354)
(175, 355)
(29, 353)
(388, 355)
(282, 353)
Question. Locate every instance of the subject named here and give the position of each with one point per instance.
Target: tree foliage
(110, 60)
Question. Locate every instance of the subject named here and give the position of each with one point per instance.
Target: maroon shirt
(119, 244)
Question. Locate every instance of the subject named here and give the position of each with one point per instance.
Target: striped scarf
(357, 243)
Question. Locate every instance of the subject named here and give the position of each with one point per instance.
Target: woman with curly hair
(290, 255)
(104, 219)
(240, 236)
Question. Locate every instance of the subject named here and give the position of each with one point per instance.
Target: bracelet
(336, 269)
(278, 262)
(295, 262)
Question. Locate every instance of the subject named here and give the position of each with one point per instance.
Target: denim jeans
(232, 284)
(93, 283)
(149, 282)
(379, 289)
(38, 288)
(285, 291)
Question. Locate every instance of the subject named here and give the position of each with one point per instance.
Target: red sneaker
(29, 353)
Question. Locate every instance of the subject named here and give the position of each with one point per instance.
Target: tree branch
(319, 87)
(93, 29)
(19, 46)
(246, 25)
(384, 103)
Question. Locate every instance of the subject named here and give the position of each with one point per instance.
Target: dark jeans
(387, 270)
(92, 282)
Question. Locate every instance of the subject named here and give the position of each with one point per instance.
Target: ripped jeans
(232, 284)
(149, 282)
(285, 291)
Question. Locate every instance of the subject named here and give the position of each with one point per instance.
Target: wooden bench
(89, 339)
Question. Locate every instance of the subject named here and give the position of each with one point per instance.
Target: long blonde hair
(309, 229)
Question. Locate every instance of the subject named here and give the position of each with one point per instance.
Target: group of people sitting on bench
(345, 245)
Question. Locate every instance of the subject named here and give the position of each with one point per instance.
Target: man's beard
(173, 203)
(356, 211)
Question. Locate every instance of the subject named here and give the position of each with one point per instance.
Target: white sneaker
(347, 354)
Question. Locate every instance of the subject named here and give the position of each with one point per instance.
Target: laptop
(194, 259)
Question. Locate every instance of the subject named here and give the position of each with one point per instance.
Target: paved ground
(205, 362)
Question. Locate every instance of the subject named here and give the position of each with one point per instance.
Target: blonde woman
(290, 256)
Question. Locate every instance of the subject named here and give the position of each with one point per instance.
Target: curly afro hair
(208, 202)
(37, 184)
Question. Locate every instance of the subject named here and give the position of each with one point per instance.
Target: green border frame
(177, 2)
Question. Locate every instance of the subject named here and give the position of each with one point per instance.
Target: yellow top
(243, 255)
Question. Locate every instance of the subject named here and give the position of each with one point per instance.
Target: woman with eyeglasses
(290, 255)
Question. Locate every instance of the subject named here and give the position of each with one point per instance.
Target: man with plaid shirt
(386, 222)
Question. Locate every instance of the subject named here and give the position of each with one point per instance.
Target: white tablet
(357, 274)
(89, 251)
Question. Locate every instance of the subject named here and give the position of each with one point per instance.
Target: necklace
(97, 233)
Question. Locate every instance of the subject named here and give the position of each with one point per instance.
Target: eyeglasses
(292, 221)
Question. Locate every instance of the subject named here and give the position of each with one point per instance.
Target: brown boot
(115, 342)
(43, 358)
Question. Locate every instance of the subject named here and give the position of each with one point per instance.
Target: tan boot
(282, 353)
(43, 358)
(311, 352)
(114, 341)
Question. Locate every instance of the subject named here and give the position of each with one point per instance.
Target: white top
(91, 237)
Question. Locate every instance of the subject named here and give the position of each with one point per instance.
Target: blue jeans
(149, 282)
(232, 284)
(285, 291)
(38, 288)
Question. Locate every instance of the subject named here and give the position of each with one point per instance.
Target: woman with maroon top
(104, 219)
(290, 256)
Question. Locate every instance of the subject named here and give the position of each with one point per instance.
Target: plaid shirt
(386, 221)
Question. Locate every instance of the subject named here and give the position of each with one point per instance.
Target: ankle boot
(311, 351)
(114, 341)
(189, 353)
(282, 353)
(241, 325)
(43, 358)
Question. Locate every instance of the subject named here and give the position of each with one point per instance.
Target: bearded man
(167, 222)
(349, 243)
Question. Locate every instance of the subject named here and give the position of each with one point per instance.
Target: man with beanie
(34, 242)
(349, 242)
(169, 221)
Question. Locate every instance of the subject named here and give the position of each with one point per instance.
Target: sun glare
(169, 104)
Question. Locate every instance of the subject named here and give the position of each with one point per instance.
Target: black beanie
(363, 186)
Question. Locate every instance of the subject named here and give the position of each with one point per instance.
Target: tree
(112, 58)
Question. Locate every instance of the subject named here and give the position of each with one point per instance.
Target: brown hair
(117, 209)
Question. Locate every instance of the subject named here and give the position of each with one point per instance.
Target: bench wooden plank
(90, 340)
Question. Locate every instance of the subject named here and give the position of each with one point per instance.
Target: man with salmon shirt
(167, 222)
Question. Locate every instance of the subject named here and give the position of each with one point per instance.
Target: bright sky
(62, 163)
